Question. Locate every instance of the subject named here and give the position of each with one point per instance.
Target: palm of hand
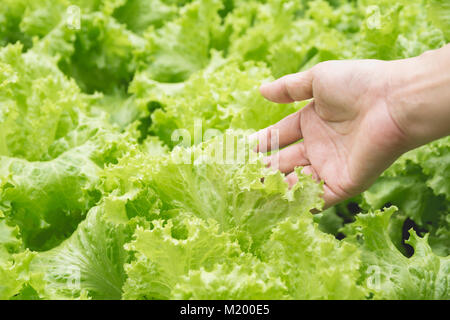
(349, 137)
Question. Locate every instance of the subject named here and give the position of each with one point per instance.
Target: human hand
(349, 134)
(363, 115)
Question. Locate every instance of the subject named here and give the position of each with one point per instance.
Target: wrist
(418, 96)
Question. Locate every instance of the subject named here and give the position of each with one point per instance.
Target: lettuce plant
(125, 172)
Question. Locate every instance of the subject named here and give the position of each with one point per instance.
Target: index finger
(290, 88)
(282, 133)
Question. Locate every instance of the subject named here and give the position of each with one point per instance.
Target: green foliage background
(97, 201)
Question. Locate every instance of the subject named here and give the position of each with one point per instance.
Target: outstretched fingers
(290, 88)
(279, 135)
(289, 158)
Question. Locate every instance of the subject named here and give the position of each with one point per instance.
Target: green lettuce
(182, 46)
(16, 279)
(221, 97)
(418, 186)
(439, 13)
(253, 280)
(90, 263)
(125, 172)
(391, 275)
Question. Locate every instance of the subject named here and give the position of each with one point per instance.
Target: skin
(363, 115)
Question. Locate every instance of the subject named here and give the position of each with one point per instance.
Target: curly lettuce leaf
(139, 15)
(396, 30)
(52, 148)
(10, 18)
(247, 26)
(329, 221)
(48, 199)
(439, 14)
(154, 274)
(89, 263)
(323, 33)
(16, 278)
(251, 280)
(222, 96)
(314, 265)
(434, 159)
(85, 166)
(39, 104)
(102, 55)
(417, 185)
(202, 180)
(391, 275)
(10, 241)
(182, 46)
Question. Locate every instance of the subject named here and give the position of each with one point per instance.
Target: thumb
(290, 88)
